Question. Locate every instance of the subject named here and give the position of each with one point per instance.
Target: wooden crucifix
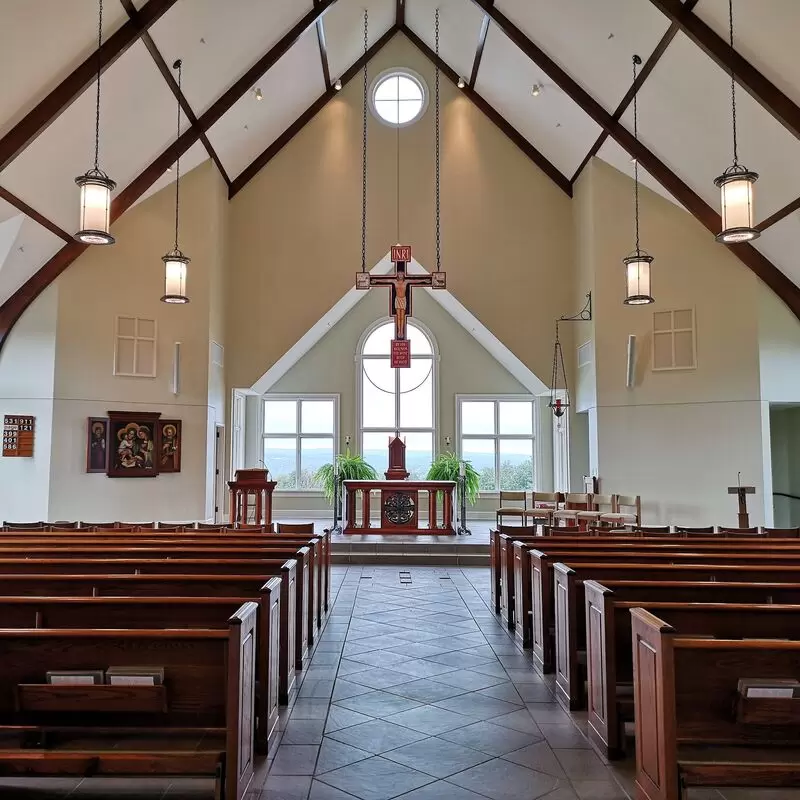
(400, 285)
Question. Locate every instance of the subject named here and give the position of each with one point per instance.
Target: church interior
(403, 401)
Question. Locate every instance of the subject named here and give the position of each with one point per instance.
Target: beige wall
(677, 438)
(506, 228)
(127, 279)
(27, 365)
(464, 367)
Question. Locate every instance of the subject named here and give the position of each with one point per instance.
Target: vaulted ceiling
(578, 51)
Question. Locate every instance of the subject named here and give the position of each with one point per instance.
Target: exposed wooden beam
(746, 253)
(718, 49)
(22, 206)
(780, 214)
(323, 50)
(400, 13)
(14, 307)
(508, 129)
(249, 172)
(476, 64)
(643, 75)
(46, 111)
(166, 73)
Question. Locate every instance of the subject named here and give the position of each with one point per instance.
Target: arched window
(402, 400)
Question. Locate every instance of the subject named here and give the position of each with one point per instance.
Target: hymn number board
(18, 432)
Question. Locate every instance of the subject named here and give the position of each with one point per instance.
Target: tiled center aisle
(416, 691)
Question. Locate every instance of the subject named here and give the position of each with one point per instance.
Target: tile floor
(414, 691)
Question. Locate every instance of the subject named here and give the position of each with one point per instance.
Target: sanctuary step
(417, 550)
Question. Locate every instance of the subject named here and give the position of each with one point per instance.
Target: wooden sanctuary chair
(294, 527)
(627, 511)
(517, 512)
(543, 504)
(573, 503)
(601, 504)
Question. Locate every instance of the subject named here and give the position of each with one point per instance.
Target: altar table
(399, 506)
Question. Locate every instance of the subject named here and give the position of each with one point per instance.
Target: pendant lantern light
(736, 183)
(175, 262)
(95, 185)
(637, 264)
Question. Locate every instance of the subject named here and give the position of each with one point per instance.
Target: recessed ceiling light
(338, 85)
(461, 82)
(536, 89)
(258, 94)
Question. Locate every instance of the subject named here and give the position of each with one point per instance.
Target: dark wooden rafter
(509, 130)
(60, 98)
(166, 73)
(718, 50)
(644, 74)
(22, 206)
(400, 13)
(746, 253)
(13, 308)
(323, 50)
(476, 63)
(249, 172)
(780, 214)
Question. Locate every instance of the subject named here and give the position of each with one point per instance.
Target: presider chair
(517, 512)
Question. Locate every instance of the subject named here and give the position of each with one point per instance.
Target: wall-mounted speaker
(176, 369)
(631, 367)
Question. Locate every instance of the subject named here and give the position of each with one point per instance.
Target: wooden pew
(198, 723)
(169, 612)
(691, 730)
(517, 563)
(721, 609)
(177, 586)
(160, 537)
(318, 573)
(260, 568)
(567, 604)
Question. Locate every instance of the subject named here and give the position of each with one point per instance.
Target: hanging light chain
(99, 70)
(733, 89)
(364, 151)
(179, 66)
(636, 62)
(438, 158)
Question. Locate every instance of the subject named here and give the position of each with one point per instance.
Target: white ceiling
(684, 105)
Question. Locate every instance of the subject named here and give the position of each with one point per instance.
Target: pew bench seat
(720, 765)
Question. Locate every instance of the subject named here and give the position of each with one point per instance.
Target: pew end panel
(522, 594)
(569, 640)
(604, 724)
(542, 610)
(654, 702)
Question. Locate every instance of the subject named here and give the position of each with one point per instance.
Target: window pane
(416, 395)
(316, 416)
(388, 88)
(480, 452)
(407, 110)
(146, 328)
(313, 454)
(280, 456)
(388, 110)
(408, 89)
(375, 450)
(377, 343)
(684, 349)
(125, 365)
(516, 417)
(662, 320)
(280, 416)
(662, 350)
(516, 464)
(477, 417)
(683, 318)
(145, 356)
(376, 402)
(419, 454)
(126, 326)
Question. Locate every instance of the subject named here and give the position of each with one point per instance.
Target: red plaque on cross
(401, 353)
(401, 252)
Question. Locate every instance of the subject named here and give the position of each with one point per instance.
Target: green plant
(350, 468)
(446, 467)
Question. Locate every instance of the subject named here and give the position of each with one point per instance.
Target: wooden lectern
(251, 489)
(742, 492)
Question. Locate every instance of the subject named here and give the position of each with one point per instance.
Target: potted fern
(446, 466)
(348, 468)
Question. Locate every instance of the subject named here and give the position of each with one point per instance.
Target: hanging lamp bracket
(584, 315)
